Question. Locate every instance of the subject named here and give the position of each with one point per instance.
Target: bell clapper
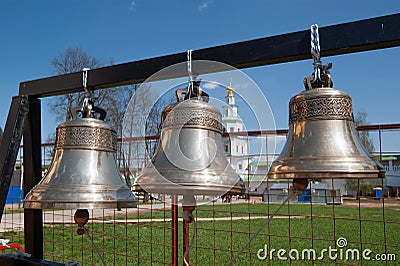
(299, 184)
(188, 205)
(81, 218)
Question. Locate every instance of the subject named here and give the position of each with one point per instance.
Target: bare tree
(73, 59)
(113, 100)
(118, 105)
(366, 140)
(116, 102)
(362, 186)
(139, 114)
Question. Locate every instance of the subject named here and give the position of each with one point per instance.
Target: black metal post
(10, 144)
(248, 178)
(380, 145)
(33, 221)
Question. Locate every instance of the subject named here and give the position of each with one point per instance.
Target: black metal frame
(10, 144)
(370, 34)
(15, 260)
(363, 35)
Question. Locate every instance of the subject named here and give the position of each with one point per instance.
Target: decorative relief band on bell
(86, 137)
(193, 118)
(321, 108)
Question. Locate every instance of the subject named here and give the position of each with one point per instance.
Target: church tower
(236, 147)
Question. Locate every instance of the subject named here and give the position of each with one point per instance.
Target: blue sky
(34, 32)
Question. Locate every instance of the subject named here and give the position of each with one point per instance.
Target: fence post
(33, 221)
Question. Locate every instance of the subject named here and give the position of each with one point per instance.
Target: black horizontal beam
(370, 34)
(15, 260)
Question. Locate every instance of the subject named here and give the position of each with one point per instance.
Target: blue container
(305, 196)
(13, 195)
(378, 192)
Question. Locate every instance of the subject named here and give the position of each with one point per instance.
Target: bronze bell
(83, 173)
(322, 141)
(190, 158)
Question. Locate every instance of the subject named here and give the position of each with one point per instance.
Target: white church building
(236, 147)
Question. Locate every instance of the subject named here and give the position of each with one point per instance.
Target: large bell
(190, 158)
(83, 173)
(322, 141)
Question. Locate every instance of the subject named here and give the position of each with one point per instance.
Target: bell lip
(114, 197)
(332, 167)
(161, 183)
(74, 189)
(71, 205)
(324, 174)
(190, 188)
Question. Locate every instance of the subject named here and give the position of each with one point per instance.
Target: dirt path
(394, 204)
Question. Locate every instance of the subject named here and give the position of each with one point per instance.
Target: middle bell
(190, 158)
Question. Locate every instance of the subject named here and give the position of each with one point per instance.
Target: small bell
(83, 173)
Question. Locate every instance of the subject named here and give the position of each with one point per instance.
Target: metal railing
(314, 221)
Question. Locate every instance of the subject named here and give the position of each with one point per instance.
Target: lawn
(309, 227)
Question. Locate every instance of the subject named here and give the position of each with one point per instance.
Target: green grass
(218, 241)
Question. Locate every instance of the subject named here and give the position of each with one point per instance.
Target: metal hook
(321, 76)
(84, 84)
(190, 74)
(316, 52)
(84, 79)
(315, 47)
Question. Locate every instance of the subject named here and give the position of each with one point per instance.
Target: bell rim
(70, 205)
(114, 196)
(94, 187)
(189, 188)
(324, 174)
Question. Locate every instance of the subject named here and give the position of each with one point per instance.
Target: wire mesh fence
(344, 222)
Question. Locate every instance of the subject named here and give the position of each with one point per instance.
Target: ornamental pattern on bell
(321, 108)
(86, 137)
(193, 118)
